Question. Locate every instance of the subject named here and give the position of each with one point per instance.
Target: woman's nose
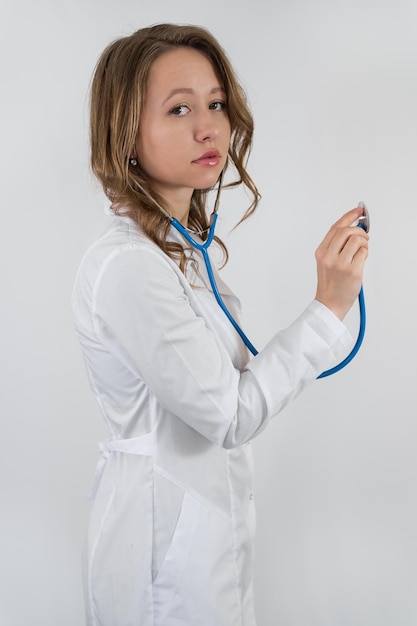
(206, 127)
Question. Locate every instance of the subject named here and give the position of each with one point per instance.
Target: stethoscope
(363, 222)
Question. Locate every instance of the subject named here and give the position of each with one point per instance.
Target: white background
(333, 88)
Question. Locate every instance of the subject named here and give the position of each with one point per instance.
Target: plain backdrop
(333, 88)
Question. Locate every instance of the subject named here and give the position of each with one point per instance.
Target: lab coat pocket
(177, 556)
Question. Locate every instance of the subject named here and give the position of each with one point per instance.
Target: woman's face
(184, 131)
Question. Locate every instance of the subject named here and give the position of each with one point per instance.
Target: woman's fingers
(354, 243)
(344, 222)
(344, 242)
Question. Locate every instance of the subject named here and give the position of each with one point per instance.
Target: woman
(171, 532)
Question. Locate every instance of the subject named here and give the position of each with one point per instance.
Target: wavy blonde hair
(117, 94)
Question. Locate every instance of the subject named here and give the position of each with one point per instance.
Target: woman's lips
(208, 159)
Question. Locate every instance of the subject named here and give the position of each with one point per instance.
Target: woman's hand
(340, 260)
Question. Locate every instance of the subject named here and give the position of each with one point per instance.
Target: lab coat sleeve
(143, 315)
(293, 358)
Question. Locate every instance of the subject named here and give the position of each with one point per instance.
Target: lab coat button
(251, 496)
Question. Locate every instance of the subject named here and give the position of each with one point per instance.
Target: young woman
(171, 533)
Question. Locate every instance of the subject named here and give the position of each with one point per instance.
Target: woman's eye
(218, 106)
(180, 109)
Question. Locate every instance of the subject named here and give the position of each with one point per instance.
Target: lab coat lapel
(199, 269)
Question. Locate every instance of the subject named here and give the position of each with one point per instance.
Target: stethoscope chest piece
(364, 221)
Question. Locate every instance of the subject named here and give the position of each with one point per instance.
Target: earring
(133, 161)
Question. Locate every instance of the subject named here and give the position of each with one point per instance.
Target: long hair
(117, 94)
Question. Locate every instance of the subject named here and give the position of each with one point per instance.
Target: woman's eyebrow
(181, 90)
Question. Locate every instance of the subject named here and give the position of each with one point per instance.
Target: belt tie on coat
(142, 445)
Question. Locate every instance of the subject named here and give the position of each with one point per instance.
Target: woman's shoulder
(121, 238)
(121, 250)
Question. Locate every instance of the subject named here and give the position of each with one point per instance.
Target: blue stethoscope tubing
(359, 340)
(203, 248)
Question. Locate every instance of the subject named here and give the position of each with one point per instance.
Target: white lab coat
(171, 532)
